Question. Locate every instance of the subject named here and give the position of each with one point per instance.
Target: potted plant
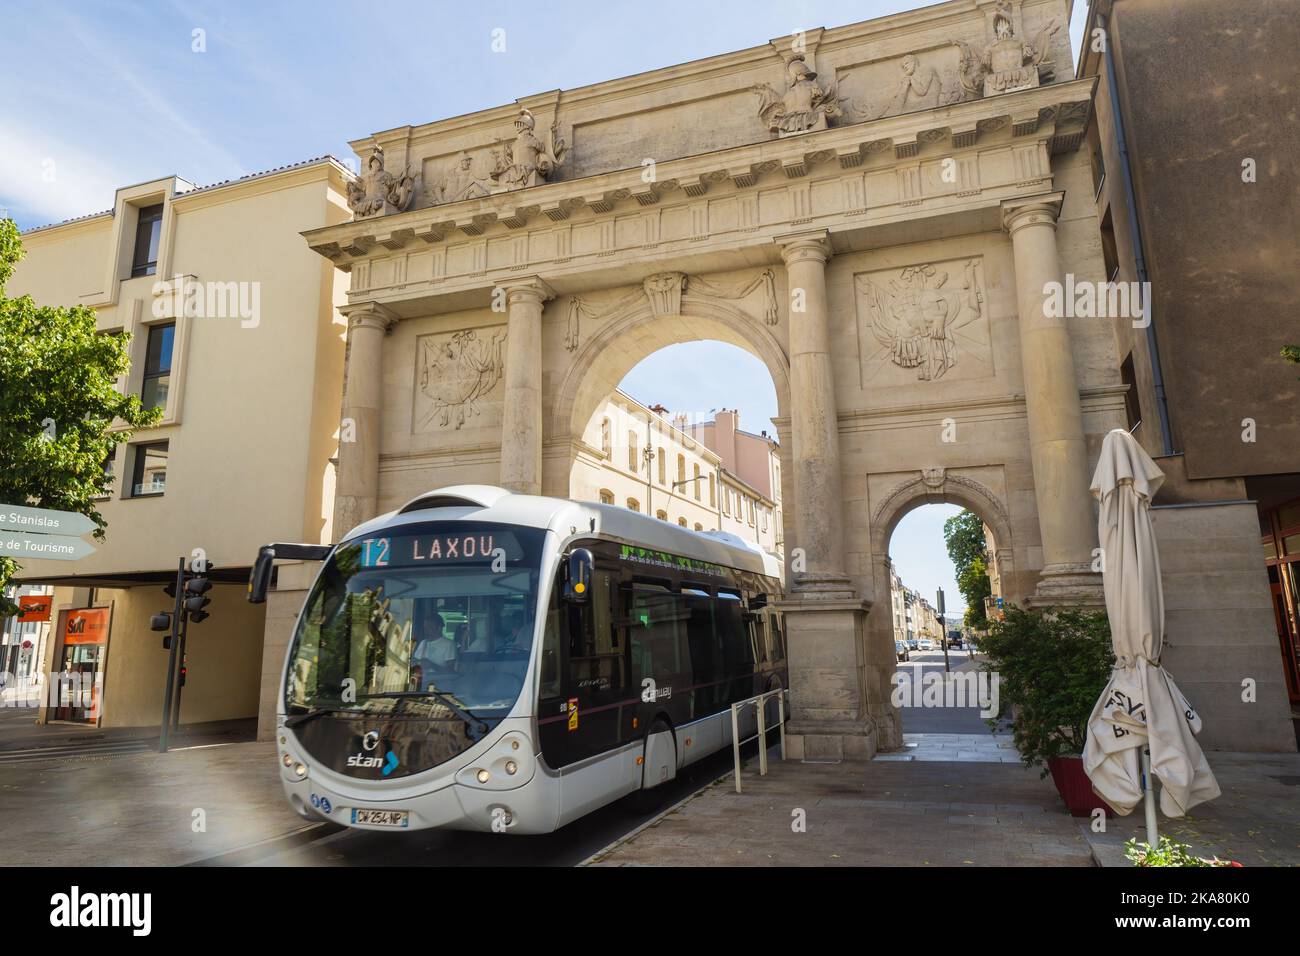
(1169, 853)
(1052, 665)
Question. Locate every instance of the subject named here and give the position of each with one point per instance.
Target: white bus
(484, 660)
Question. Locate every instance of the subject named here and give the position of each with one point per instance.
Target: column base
(1068, 585)
(830, 711)
(830, 741)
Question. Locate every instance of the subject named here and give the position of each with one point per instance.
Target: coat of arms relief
(455, 372)
(923, 322)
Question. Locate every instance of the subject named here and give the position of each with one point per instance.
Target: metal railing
(757, 703)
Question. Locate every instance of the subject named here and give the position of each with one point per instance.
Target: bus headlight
(511, 767)
(287, 760)
(300, 770)
(483, 776)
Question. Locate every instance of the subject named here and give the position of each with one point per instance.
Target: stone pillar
(357, 489)
(814, 421)
(1058, 451)
(830, 675)
(521, 412)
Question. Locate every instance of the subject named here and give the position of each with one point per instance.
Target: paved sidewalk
(138, 809)
(1256, 821)
(883, 813)
(955, 748)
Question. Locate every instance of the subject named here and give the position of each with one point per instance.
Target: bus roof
(569, 518)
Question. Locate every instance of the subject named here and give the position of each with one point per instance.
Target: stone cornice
(1055, 113)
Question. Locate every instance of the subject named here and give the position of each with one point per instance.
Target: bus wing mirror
(577, 580)
(259, 579)
(758, 602)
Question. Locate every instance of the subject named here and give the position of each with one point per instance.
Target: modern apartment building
(235, 335)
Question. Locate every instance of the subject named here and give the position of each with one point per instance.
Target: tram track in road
(328, 845)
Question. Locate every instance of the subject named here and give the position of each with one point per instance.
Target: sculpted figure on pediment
(1007, 62)
(378, 192)
(461, 183)
(806, 105)
(526, 160)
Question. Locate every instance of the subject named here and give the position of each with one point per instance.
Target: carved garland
(664, 290)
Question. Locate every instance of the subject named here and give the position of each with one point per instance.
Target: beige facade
(248, 318)
(751, 475)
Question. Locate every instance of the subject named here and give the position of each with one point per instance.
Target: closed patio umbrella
(1141, 708)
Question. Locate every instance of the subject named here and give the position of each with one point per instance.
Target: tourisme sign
(37, 533)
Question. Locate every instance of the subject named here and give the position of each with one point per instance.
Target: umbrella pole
(1149, 800)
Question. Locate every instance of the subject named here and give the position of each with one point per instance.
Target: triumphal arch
(872, 210)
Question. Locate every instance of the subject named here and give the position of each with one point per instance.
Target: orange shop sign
(87, 626)
(34, 607)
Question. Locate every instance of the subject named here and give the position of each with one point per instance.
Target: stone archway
(929, 486)
(629, 335)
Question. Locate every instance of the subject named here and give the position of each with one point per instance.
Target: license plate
(381, 818)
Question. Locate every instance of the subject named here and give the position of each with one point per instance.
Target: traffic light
(162, 621)
(196, 589)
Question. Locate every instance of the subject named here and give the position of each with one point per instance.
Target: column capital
(527, 289)
(370, 315)
(1032, 210)
(805, 246)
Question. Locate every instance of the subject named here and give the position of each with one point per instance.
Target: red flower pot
(1075, 788)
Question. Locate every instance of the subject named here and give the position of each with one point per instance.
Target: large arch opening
(939, 531)
(681, 417)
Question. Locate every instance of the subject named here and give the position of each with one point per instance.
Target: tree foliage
(964, 535)
(58, 403)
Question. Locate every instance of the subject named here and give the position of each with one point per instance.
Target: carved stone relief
(806, 104)
(454, 372)
(1007, 62)
(664, 292)
(922, 323)
(525, 160)
(459, 182)
(378, 192)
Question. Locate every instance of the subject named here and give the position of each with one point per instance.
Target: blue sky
(112, 93)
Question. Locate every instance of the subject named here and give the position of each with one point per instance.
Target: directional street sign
(43, 521)
(51, 547)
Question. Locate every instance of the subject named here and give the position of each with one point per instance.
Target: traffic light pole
(180, 685)
(171, 658)
(943, 626)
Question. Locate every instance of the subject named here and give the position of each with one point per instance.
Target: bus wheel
(658, 767)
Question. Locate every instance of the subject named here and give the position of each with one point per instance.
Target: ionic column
(357, 488)
(521, 413)
(1058, 452)
(814, 423)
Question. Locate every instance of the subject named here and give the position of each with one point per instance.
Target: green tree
(58, 402)
(964, 535)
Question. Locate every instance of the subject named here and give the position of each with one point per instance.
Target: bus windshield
(432, 618)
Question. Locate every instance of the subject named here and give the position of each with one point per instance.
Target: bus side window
(595, 663)
(550, 676)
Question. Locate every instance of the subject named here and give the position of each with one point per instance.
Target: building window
(763, 513)
(158, 366)
(1108, 250)
(698, 526)
(633, 504)
(681, 469)
(663, 467)
(696, 482)
(149, 476)
(726, 501)
(606, 496)
(661, 515)
(148, 230)
(682, 522)
(110, 464)
(1132, 402)
(606, 442)
(713, 491)
(631, 453)
(751, 510)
